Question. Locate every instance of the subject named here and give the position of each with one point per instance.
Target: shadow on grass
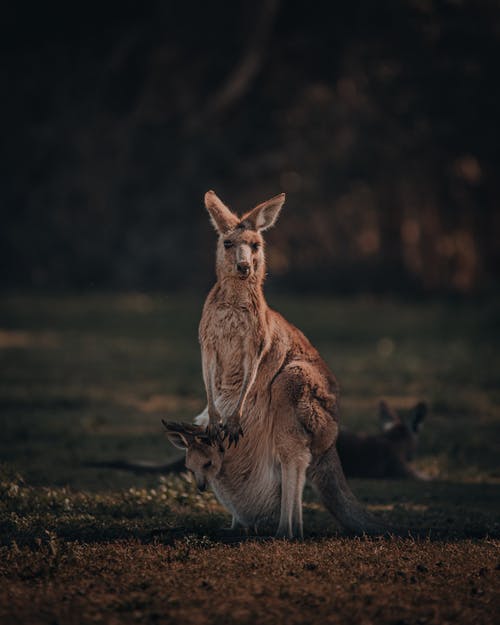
(174, 510)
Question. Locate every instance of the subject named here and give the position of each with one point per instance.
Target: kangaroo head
(402, 433)
(203, 458)
(240, 248)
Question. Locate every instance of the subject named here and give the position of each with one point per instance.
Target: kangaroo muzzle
(243, 269)
(243, 261)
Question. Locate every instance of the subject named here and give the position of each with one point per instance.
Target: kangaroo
(247, 485)
(265, 381)
(384, 455)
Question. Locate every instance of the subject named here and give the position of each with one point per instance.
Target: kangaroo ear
(222, 218)
(418, 415)
(175, 435)
(264, 215)
(178, 440)
(387, 416)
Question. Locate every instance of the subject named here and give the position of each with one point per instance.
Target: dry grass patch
(196, 582)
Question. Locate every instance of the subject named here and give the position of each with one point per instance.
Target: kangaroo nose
(243, 268)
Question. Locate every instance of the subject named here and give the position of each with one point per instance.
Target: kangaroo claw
(233, 432)
(215, 432)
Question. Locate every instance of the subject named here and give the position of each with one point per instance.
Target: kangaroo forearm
(208, 379)
(248, 382)
(243, 395)
(212, 410)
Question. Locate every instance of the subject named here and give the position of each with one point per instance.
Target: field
(86, 379)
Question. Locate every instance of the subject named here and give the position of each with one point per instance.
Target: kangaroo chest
(230, 338)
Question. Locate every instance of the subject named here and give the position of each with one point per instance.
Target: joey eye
(255, 246)
(228, 244)
(207, 464)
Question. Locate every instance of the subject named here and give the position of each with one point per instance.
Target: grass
(87, 378)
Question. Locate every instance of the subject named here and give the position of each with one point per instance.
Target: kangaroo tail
(140, 466)
(327, 476)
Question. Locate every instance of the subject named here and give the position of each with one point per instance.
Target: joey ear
(418, 415)
(387, 416)
(222, 218)
(264, 215)
(178, 438)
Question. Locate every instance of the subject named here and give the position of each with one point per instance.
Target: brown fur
(265, 380)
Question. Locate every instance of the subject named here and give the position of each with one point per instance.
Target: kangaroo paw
(233, 431)
(215, 432)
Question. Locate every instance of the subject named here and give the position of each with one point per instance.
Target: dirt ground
(194, 581)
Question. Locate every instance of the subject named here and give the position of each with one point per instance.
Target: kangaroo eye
(228, 244)
(207, 465)
(255, 246)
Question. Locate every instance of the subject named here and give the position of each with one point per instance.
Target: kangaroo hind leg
(288, 499)
(291, 397)
(293, 477)
(298, 527)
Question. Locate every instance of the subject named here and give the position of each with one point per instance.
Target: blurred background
(379, 121)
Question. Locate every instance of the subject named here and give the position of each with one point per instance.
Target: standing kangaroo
(387, 454)
(265, 381)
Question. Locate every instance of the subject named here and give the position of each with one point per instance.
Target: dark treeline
(379, 120)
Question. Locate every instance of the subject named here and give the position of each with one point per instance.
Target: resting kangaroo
(265, 380)
(384, 455)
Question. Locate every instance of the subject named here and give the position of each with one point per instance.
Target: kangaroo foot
(283, 532)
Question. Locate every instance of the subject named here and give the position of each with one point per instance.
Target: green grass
(88, 379)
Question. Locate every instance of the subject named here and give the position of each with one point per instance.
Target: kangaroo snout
(243, 269)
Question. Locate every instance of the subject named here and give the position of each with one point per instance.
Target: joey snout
(201, 485)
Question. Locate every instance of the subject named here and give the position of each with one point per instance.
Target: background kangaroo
(387, 454)
(264, 379)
